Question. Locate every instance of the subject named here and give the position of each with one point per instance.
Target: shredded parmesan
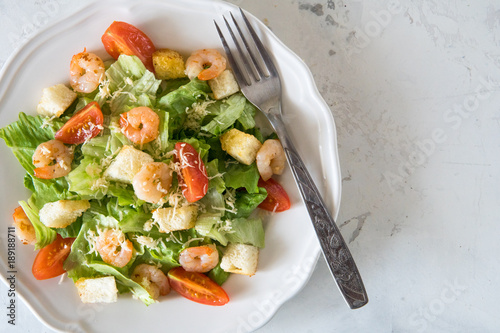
(225, 226)
(230, 199)
(129, 81)
(100, 184)
(191, 240)
(216, 176)
(147, 242)
(148, 225)
(196, 113)
(91, 238)
(171, 238)
(104, 91)
(47, 121)
(93, 170)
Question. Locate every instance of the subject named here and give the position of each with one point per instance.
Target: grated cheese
(196, 113)
(47, 121)
(148, 225)
(190, 240)
(129, 81)
(148, 242)
(225, 226)
(91, 238)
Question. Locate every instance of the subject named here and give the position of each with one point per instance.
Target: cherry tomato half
(84, 125)
(277, 199)
(124, 38)
(197, 287)
(193, 179)
(49, 260)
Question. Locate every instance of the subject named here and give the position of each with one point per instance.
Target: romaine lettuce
(228, 112)
(247, 231)
(239, 175)
(44, 235)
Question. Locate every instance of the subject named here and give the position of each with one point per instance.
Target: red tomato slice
(194, 179)
(49, 261)
(277, 199)
(197, 287)
(84, 125)
(124, 38)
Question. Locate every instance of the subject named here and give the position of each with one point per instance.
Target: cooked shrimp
(24, 229)
(114, 248)
(52, 159)
(152, 182)
(152, 279)
(199, 259)
(270, 159)
(205, 64)
(140, 124)
(86, 71)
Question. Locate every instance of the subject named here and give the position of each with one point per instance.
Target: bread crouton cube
(61, 213)
(126, 164)
(240, 259)
(179, 218)
(224, 85)
(168, 64)
(97, 290)
(240, 145)
(55, 100)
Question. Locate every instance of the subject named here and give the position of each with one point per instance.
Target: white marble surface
(414, 89)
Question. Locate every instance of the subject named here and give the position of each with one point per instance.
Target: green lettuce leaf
(71, 230)
(217, 274)
(247, 231)
(246, 203)
(247, 118)
(130, 84)
(239, 175)
(44, 235)
(230, 110)
(216, 180)
(166, 254)
(85, 176)
(207, 226)
(139, 291)
(47, 190)
(213, 201)
(178, 101)
(77, 262)
(24, 135)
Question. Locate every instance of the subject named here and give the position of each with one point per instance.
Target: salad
(148, 174)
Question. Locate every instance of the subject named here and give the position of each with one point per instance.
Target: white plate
(291, 245)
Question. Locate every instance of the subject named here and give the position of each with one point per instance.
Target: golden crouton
(172, 219)
(97, 290)
(224, 85)
(126, 164)
(240, 259)
(61, 213)
(240, 145)
(55, 100)
(168, 64)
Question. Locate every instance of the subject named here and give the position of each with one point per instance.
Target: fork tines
(255, 63)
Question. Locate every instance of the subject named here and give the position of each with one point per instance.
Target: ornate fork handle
(335, 250)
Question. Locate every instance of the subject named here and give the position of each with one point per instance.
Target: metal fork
(260, 83)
